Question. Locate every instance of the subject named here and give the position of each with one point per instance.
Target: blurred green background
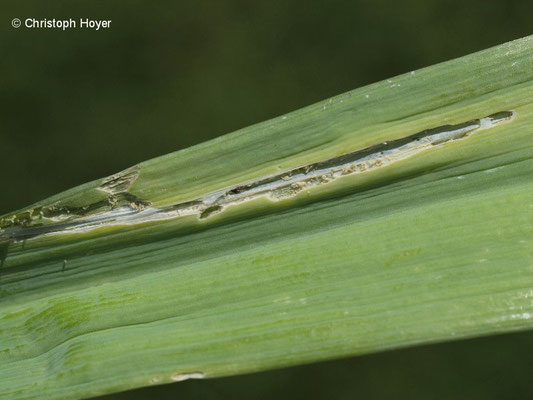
(79, 104)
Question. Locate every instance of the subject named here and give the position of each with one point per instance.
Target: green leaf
(396, 214)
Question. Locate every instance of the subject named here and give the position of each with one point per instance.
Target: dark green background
(81, 104)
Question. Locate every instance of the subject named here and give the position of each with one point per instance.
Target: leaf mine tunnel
(275, 187)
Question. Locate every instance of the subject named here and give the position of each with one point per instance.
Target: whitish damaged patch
(512, 317)
(129, 211)
(492, 170)
(188, 375)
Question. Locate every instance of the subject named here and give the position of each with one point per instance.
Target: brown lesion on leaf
(117, 186)
(210, 211)
(121, 182)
